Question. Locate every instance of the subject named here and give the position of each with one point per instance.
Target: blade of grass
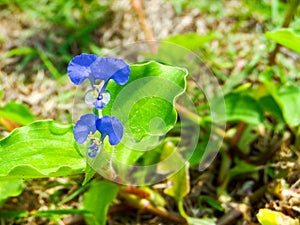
(73, 195)
(49, 65)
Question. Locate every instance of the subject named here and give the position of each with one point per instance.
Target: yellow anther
(91, 136)
(95, 94)
(96, 141)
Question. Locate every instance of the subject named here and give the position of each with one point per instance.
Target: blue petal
(79, 68)
(101, 102)
(111, 68)
(94, 149)
(84, 126)
(112, 127)
(92, 153)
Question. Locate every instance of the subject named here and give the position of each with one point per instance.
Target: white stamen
(90, 97)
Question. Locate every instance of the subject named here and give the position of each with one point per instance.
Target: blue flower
(111, 127)
(94, 148)
(92, 67)
(87, 125)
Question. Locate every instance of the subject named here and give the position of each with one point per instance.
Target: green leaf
(21, 51)
(269, 104)
(241, 107)
(248, 136)
(209, 200)
(10, 188)
(17, 112)
(269, 217)
(89, 174)
(242, 167)
(288, 99)
(285, 37)
(13, 214)
(180, 184)
(198, 153)
(145, 106)
(180, 187)
(167, 149)
(97, 199)
(41, 149)
(190, 41)
(55, 212)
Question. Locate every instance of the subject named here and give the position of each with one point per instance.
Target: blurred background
(38, 39)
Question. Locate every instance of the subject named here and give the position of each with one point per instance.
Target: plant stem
(136, 191)
(8, 124)
(181, 209)
(188, 114)
(144, 205)
(137, 7)
(230, 217)
(168, 215)
(287, 20)
(239, 132)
